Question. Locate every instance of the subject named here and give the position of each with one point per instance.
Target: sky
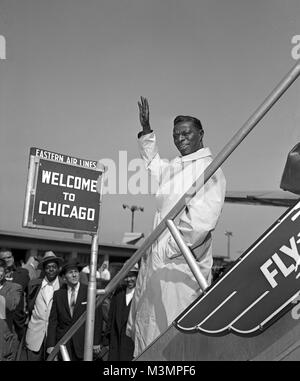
(75, 69)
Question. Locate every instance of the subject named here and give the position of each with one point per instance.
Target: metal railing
(239, 136)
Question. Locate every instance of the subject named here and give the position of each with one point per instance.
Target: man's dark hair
(185, 118)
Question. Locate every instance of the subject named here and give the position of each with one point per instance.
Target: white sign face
(62, 193)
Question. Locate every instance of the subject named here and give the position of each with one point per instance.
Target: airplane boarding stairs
(252, 312)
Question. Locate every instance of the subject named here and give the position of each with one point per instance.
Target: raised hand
(144, 114)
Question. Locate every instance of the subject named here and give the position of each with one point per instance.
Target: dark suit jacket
(21, 277)
(12, 293)
(60, 320)
(121, 346)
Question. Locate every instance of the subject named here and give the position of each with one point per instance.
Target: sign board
(258, 288)
(63, 192)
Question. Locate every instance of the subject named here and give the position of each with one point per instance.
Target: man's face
(130, 280)
(187, 137)
(72, 277)
(51, 270)
(8, 257)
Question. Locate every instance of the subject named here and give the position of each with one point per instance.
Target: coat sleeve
(13, 297)
(33, 288)
(51, 333)
(149, 153)
(200, 216)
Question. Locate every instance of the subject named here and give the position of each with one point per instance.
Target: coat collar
(200, 154)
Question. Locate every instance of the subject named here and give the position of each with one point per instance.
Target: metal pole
(228, 234)
(92, 289)
(187, 255)
(132, 217)
(91, 300)
(228, 246)
(260, 112)
(64, 353)
(29, 189)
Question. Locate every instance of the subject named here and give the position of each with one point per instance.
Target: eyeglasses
(7, 257)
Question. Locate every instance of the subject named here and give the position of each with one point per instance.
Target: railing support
(91, 301)
(64, 353)
(191, 261)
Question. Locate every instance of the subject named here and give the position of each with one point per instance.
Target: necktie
(72, 301)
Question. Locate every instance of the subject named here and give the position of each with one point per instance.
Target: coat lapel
(120, 307)
(65, 302)
(81, 297)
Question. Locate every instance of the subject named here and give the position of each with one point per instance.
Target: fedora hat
(70, 264)
(50, 257)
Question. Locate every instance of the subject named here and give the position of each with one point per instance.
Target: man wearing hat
(121, 346)
(40, 297)
(69, 303)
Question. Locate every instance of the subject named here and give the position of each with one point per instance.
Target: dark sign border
(36, 158)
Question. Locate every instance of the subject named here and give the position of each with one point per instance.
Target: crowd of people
(38, 308)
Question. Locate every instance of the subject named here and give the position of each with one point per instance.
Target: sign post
(92, 293)
(91, 302)
(64, 193)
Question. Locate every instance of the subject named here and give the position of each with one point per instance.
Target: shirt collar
(76, 287)
(45, 282)
(201, 153)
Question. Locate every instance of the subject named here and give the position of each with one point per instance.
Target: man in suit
(33, 267)
(121, 346)
(20, 276)
(69, 303)
(39, 302)
(10, 295)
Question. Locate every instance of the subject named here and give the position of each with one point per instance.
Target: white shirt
(47, 290)
(129, 295)
(76, 288)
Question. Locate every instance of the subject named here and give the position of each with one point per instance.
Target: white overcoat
(38, 323)
(165, 284)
